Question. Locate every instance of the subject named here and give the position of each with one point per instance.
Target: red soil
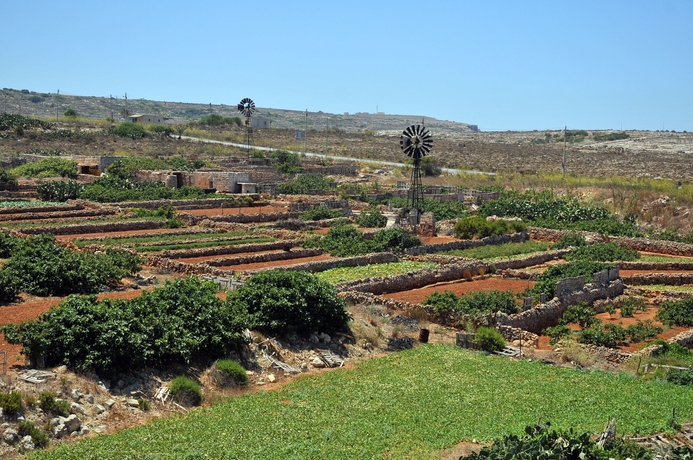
(462, 287)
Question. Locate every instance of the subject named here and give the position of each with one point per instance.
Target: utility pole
(565, 128)
(210, 120)
(305, 135)
(127, 112)
(56, 106)
(327, 127)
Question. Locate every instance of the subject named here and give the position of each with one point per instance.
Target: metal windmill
(416, 141)
(247, 107)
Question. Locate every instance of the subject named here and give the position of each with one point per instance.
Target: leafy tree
(71, 113)
(171, 324)
(678, 313)
(570, 239)
(371, 217)
(161, 130)
(489, 339)
(180, 129)
(44, 268)
(131, 130)
(479, 227)
(285, 162)
(345, 240)
(282, 302)
(320, 213)
(305, 184)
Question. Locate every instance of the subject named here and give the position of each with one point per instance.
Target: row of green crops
(29, 204)
(139, 239)
(501, 251)
(338, 275)
(412, 404)
(202, 244)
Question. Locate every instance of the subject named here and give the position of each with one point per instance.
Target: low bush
(631, 305)
(677, 313)
(570, 239)
(285, 302)
(447, 303)
(488, 339)
(47, 167)
(227, 372)
(131, 130)
(170, 324)
(346, 241)
(603, 252)
(680, 376)
(285, 162)
(541, 442)
(321, 213)
(59, 191)
(10, 286)
(557, 333)
(186, 391)
(546, 282)
(371, 217)
(38, 437)
(304, 184)
(610, 137)
(581, 314)
(11, 403)
(478, 227)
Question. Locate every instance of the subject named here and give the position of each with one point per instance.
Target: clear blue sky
(499, 64)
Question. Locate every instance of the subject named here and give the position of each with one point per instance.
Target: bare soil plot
(462, 287)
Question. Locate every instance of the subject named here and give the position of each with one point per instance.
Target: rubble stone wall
(466, 244)
(264, 257)
(95, 228)
(236, 249)
(322, 265)
(670, 279)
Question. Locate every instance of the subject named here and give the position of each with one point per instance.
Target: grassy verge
(664, 259)
(337, 275)
(501, 251)
(202, 244)
(138, 239)
(666, 287)
(412, 404)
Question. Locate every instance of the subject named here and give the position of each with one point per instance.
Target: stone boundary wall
(548, 314)
(195, 203)
(32, 209)
(358, 297)
(179, 231)
(413, 280)
(251, 218)
(514, 334)
(466, 244)
(95, 228)
(265, 257)
(639, 244)
(59, 215)
(182, 267)
(663, 296)
(322, 265)
(611, 355)
(520, 262)
(670, 279)
(236, 249)
(655, 265)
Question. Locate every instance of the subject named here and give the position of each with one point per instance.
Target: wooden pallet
(330, 359)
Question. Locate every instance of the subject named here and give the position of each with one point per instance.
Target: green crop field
(337, 275)
(501, 251)
(139, 239)
(412, 404)
(665, 259)
(203, 244)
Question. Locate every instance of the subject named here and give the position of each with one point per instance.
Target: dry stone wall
(265, 257)
(235, 249)
(669, 279)
(41, 209)
(638, 244)
(466, 244)
(548, 314)
(322, 265)
(252, 218)
(60, 214)
(95, 228)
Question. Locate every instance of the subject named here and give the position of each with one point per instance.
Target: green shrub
(10, 121)
(7, 243)
(442, 211)
(171, 324)
(282, 302)
(7, 182)
(11, 403)
(144, 405)
(556, 333)
(305, 184)
(44, 268)
(476, 302)
(443, 303)
(10, 286)
(131, 130)
(285, 162)
(59, 191)
(70, 113)
(186, 391)
(489, 339)
(678, 313)
(570, 239)
(603, 252)
(540, 442)
(610, 137)
(161, 130)
(478, 227)
(546, 282)
(227, 372)
(680, 376)
(113, 189)
(47, 167)
(394, 239)
(320, 213)
(345, 241)
(581, 314)
(38, 437)
(371, 217)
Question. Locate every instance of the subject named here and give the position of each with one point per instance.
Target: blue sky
(517, 65)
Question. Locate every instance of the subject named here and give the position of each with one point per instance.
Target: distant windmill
(247, 107)
(416, 141)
